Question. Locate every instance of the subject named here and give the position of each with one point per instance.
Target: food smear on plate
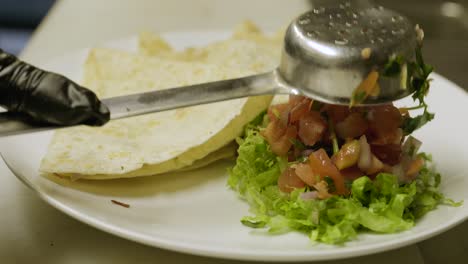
(333, 171)
(180, 139)
(125, 205)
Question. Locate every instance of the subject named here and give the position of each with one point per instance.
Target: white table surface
(31, 231)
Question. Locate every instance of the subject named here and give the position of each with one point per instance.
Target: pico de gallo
(340, 143)
(332, 171)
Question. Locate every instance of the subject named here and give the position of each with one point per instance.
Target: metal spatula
(327, 53)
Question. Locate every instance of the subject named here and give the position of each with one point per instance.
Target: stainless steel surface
(322, 58)
(156, 101)
(323, 51)
(162, 100)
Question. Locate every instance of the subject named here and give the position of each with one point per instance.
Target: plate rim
(230, 254)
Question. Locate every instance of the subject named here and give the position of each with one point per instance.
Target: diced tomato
(352, 173)
(288, 181)
(274, 131)
(384, 116)
(282, 145)
(305, 173)
(279, 111)
(389, 137)
(337, 113)
(295, 153)
(353, 126)
(389, 154)
(384, 124)
(299, 109)
(311, 128)
(296, 99)
(322, 165)
(279, 137)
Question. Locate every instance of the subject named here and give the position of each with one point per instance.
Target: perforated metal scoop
(327, 54)
(330, 50)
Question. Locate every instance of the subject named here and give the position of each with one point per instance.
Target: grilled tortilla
(167, 141)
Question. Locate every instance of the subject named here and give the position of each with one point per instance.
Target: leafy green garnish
(298, 144)
(428, 196)
(257, 167)
(254, 222)
(419, 82)
(382, 205)
(410, 124)
(393, 66)
(330, 184)
(259, 120)
(425, 156)
(419, 72)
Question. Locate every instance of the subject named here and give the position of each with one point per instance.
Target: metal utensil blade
(163, 100)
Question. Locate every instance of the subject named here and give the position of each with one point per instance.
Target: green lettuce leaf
(381, 205)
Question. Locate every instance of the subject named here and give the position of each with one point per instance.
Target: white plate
(194, 212)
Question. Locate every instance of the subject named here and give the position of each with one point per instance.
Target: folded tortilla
(167, 141)
(247, 47)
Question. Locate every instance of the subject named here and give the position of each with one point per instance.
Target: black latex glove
(47, 97)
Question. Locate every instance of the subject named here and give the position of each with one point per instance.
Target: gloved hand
(47, 97)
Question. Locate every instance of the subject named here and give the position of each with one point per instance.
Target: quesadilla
(166, 141)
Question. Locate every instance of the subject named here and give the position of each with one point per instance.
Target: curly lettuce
(381, 205)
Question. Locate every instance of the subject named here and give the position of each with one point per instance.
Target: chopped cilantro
(330, 184)
(393, 66)
(419, 82)
(410, 124)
